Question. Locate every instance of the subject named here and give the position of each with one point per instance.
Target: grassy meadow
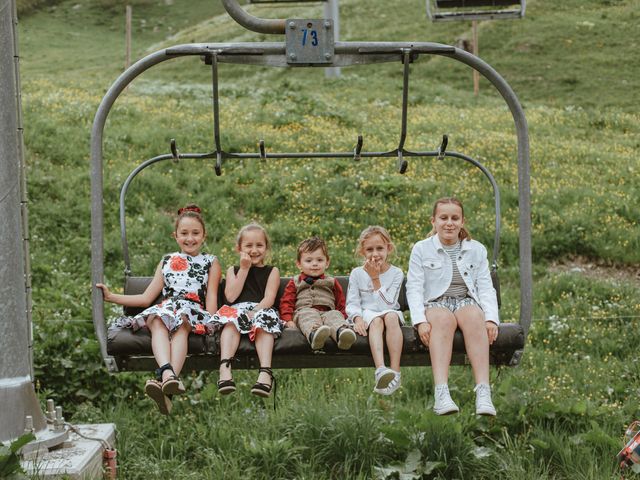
(561, 413)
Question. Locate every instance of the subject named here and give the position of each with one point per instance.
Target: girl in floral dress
(250, 289)
(188, 281)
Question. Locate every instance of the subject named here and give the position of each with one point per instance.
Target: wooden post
(127, 42)
(476, 75)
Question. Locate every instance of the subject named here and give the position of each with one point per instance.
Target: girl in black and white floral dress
(250, 291)
(188, 281)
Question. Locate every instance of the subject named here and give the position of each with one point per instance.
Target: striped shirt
(457, 289)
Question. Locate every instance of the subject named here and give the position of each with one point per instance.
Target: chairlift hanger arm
(255, 24)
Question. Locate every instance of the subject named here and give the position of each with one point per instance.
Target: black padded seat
(475, 3)
(132, 351)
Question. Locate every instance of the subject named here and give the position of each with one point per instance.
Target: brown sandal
(153, 389)
(173, 385)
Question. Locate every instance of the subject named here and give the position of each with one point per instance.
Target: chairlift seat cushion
(132, 350)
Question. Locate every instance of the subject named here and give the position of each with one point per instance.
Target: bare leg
(179, 347)
(376, 328)
(264, 348)
(394, 339)
(160, 344)
(443, 326)
(229, 341)
(471, 322)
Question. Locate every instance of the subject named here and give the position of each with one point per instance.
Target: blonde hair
(253, 226)
(370, 231)
(464, 233)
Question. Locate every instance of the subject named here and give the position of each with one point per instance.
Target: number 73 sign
(309, 41)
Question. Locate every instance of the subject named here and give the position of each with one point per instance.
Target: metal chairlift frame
(275, 54)
(488, 10)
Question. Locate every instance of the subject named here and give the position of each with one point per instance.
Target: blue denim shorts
(452, 303)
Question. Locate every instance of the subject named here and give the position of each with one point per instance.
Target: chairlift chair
(124, 350)
(287, 1)
(453, 10)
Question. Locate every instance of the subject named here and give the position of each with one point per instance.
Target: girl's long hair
(464, 233)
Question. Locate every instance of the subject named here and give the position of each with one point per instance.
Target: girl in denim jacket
(449, 287)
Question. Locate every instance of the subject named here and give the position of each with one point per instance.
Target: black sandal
(225, 387)
(264, 389)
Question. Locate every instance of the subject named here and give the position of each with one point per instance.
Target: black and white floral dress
(253, 292)
(184, 293)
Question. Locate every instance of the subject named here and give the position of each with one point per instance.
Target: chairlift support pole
(20, 410)
(332, 11)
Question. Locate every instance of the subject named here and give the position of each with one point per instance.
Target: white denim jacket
(431, 270)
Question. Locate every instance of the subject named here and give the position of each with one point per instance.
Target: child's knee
(392, 320)
(377, 322)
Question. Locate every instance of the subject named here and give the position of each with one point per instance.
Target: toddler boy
(314, 301)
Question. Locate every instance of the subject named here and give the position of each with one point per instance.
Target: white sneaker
(393, 385)
(346, 338)
(443, 404)
(384, 376)
(484, 405)
(319, 337)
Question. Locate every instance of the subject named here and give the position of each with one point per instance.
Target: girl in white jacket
(449, 287)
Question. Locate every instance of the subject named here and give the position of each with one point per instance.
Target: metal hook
(402, 163)
(358, 149)
(216, 112)
(406, 59)
(218, 167)
(174, 150)
(443, 147)
(263, 153)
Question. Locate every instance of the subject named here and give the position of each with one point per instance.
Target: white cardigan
(361, 295)
(431, 270)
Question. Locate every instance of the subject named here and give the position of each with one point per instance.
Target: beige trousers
(309, 319)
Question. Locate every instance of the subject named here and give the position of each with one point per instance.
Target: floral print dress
(184, 293)
(266, 319)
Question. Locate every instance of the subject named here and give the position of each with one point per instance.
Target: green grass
(561, 413)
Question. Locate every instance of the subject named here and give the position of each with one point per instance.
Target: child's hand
(359, 326)
(245, 260)
(372, 267)
(290, 324)
(492, 331)
(106, 293)
(424, 331)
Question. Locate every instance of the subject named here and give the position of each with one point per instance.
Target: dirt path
(591, 269)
